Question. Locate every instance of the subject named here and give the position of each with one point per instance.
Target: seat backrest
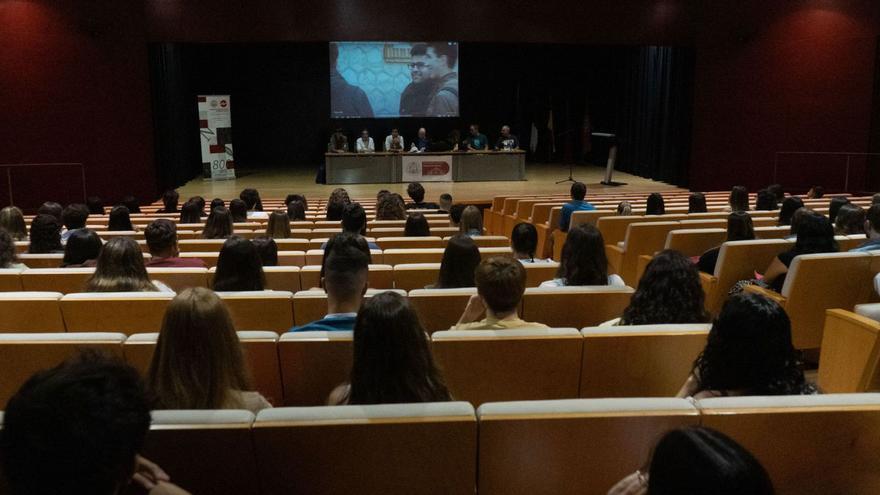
(850, 353)
(283, 278)
(565, 446)
(425, 448)
(694, 242)
(410, 276)
(639, 360)
(410, 242)
(589, 216)
(795, 436)
(10, 279)
(180, 278)
(206, 451)
(440, 309)
(311, 305)
(537, 273)
(401, 256)
(23, 354)
(739, 260)
(200, 245)
(772, 232)
(647, 237)
(63, 280)
(574, 307)
(260, 310)
(209, 257)
(312, 364)
(517, 364)
(126, 312)
(41, 260)
(31, 312)
(490, 241)
(379, 277)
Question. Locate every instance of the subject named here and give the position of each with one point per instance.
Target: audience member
(239, 267)
(697, 203)
(748, 352)
(45, 235)
(501, 283)
(278, 226)
(238, 210)
(445, 203)
(455, 212)
(476, 141)
(624, 208)
(524, 243)
(339, 194)
(74, 218)
(850, 220)
(790, 205)
(218, 225)
(51, 208)
(668, 292)
(78, 428)
(120, 268)
(82, 249)
(796, 220)
(578, 203)
(190, 213)
(460, 259)
(120, 220)
(765, 201)
(471, 223)
(872, 230)
(697, 460)
(365, 144)
(416, 226)
(814, 235)
(217, 203)
(297, 197)
(198, 361)
(335, 210)
(12, 221)
(8, 258)
(739, 228)
(583, 260)
(161, 236)
(169, 201)
(354, 221)
(392, 361)
(816, 192)
(95, 205)
(201, 202)
(416, 193)
(131, 203)
(296, 211)
(655, 205)
(267, 248)
(738, 199)
(778, 192)
(391, 207)
(834, 206)
(253, 203)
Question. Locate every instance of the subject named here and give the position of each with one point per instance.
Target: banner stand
(215, 126)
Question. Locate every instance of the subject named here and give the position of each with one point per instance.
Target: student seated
(697, 203)
(78, 428)
(748, 352)
(95, 205)
(344, 279)
(120, 268)
(471, 223)
(238, 210)
(120, 220)
(239, 267)
(765, 200)
(74, 218)
(669, 292)
(8, 258)
(455, 212)
(577, 203)
(296, 211)
(416, 193)
(460, 259)
(354, 221)
(872, 230)
(290, 198)
(696, 459)
(45, 235)
(131, 203)
(655, 205)
(200, 201)
(739, 228)
(51, 208)
(816, 192)
(217, 203)
(524, 243)
(834, 207)
(624, 208)
(850, 220)
(392, 361)
(814, 235)
(390, 207)
(218, 225)
(583, 260)
(278, 226)
(82, 249)
(190, 213)
(267, 248)
(501, 283)
(169, 202)
(254, 204)
(738, 199)
(790, 205)
(161, 236)
(12, 221)
(445, 203)
(416, 226)
(198, 362)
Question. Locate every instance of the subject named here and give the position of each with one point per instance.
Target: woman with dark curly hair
(339, 194)
(45, 235)
(749, 352)
(790, 205)
(391, 207)
(669, 292)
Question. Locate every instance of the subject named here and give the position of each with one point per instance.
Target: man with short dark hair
(74, 218)
(78, 429)
(445, 203)
(51, 208)
(416, 192)
(476, 141)
(872, 230)
(440, 59)
(816, 192)
(455, 212)
(501, 283)
(394, 141)
(354, 221)
(161, 236)
(417, 94)
(577, 203)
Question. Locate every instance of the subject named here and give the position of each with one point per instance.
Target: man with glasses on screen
(440, 61)
(415, 97)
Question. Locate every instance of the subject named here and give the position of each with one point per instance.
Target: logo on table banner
(428, 168)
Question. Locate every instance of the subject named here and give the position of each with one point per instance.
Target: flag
(533, 139)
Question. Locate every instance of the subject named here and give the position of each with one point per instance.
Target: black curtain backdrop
(280, 103)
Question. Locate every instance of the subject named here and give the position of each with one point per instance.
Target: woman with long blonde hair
(198, 362)
(12, 221)
(120, 268)
(278, 226)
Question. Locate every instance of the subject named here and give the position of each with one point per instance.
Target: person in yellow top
(501, 282)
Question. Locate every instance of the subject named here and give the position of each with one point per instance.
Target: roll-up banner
(215, 123)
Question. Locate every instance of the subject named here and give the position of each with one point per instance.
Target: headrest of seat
(147, 337)
(33, 295)
(795, 401)
(586, 406)
(504, 334)
(577, 289)
(80, 296)
(253, 335)
(58, 271)
(416, 266)
(463, 410)
(199, 417)
(316, 336)
(463, 291)
(109, 337)
(653, 329)
(256, 294)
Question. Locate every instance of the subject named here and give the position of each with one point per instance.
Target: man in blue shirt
(577, 203)
(872, 230)
(345, 282)
(476, 141)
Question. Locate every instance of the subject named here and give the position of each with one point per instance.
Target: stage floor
(540, 179)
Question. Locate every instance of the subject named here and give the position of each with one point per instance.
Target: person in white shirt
(365, 143)
(394, 141)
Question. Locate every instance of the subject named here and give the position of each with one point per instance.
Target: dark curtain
(872, 177)
(655, 132)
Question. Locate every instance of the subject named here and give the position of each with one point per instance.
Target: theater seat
(410, 276)
(41, 260)
(571, 447)
(311, 305)
(575, 307)
(517, 364)
(850, 353)
(180, 278)
(283, 278)
(31, 312)
(642, 238)
(260, 310)
(738, 260)
(208, 451)
(440, 309)
(395, 448)
(639, 360)
(378, 277)
(312, 364)
(408, 256)
(538, 273)
(410, 242)
(10, 279)
(126, 312)
(23, 354)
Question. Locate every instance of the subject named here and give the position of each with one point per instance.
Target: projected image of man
(346, 100)
(416, 95)
(440, 61)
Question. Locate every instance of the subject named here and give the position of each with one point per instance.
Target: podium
(612, 159)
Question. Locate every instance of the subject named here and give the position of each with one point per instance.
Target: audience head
(251, 199)
(471, 221)
(278, 226)
(391, 207)
(694, 458)
(51, 208)
(790, 205)
(7, 250)
(131, 203)
(345, 268)
(816, 192)
(339, 194)
(740, 226)
(95, 205)
(381, 194)
(749, 350)
(416, 192)
(161, 236)
(120, 219)
(342, 240)
(738, 199)
(354, 219)
(296, 211)
(578, 191)
(12, 221)
(668, 292)
(850, 220)
(75, 428)
(834, 207)
(583, 257)
(218, 225)
(217, 203)
(82, 245)
(624, 208)
(297, 197)
(697, 203)
(238, 210)
(460, 259)
(199, 201)
(445, 201)
(239, 267)
(777, 191)
(655, 205)
(190, 212)
(765, 201)
(170, 200)
(416, 226)
(392, 361)
(455, 212)
(524, 241)
(45, 234)
(75, 216)
(872, 221)
(267, 248)
(120, 268)
(814, 234)
(501, 283)
(798, 217)
(335, 210)
(198, 362)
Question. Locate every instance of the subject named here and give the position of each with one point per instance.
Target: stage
(540, 179)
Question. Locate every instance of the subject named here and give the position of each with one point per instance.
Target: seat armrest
(770, 294)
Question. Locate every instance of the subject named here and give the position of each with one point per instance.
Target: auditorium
(488, 248)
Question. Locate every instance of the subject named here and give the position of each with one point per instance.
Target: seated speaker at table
(394, 141)
(365, 143)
